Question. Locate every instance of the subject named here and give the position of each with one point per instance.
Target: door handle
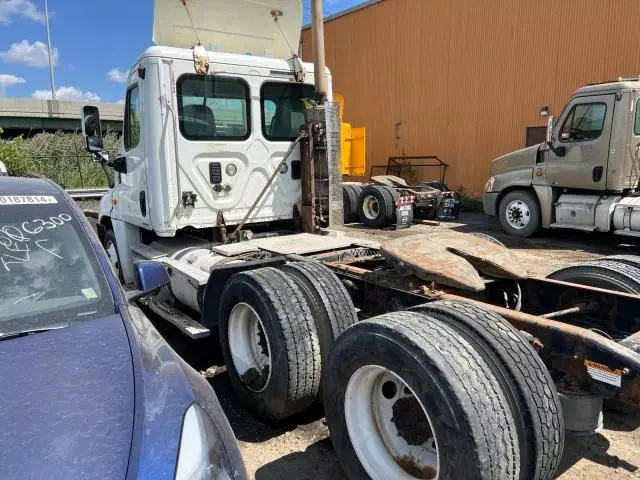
(597, 173)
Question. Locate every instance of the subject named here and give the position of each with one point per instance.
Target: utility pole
(317, 30)
(53, 82)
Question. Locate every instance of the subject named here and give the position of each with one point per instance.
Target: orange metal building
(464, 79)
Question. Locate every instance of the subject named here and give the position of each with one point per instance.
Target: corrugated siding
(466, 77)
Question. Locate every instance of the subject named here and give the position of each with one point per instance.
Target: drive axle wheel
(269, 343)
(407, 397)
(350, 194)
(524, 379)
(604, 273)
(331, 306)
(376, 206)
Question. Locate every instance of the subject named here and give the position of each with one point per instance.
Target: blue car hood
(67, 403)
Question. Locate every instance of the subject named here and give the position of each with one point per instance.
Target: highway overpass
(28, 116)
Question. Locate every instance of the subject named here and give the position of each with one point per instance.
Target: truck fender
(545, 199)
(210, 300)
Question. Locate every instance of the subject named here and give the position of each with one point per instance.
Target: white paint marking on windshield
(14, 240)
(83, 314)
(6, 200)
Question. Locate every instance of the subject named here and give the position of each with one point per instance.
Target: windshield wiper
(30, 331)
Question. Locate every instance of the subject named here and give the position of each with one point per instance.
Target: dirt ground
(302, 449)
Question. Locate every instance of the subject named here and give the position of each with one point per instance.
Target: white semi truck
(228, 173)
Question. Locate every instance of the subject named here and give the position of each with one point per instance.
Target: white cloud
(23, 8)
(117, 76)
(7, 81)
(34, 54)
(120, 102)
(67, 93)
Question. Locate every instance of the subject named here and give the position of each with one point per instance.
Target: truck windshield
(49, 274)
(283, 108)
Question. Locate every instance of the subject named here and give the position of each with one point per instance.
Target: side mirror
(151, 276)
(91, 129)
(550, 125)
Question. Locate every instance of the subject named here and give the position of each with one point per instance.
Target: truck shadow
(594, 449)
(250, 428)
(316, 462)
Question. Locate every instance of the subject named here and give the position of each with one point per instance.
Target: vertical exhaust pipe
(317, 31)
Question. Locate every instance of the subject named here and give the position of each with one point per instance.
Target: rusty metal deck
(454, 259)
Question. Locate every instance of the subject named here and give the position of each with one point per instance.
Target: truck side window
(584, 122)
(213, 108)
(636, 127)
(132, 119)
(284, 108)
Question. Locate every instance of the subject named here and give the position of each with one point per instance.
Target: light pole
(53, 82)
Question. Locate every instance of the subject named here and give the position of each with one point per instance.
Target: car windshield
(49, 273)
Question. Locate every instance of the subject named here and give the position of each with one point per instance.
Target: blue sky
(94, 43)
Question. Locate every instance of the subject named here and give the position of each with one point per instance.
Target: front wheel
(111, 247)
(519, 213)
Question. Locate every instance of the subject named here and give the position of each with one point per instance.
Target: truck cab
(584, 176)
(205, 127)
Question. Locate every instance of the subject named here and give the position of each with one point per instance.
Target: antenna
(193, 25)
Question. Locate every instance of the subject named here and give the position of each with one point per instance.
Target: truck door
(584, 130)
(131, 192)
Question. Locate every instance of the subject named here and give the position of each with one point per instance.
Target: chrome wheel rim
(518, 214)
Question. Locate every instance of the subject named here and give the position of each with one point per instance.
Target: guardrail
(87, 193)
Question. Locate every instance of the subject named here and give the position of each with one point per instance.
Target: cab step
(185, 324)
(584, 228)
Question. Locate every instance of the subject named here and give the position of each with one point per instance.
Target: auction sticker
(603, 373)
(27, 200)
(89, 293)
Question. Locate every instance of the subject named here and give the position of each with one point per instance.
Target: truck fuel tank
(627, 214)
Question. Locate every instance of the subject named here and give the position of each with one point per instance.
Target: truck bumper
(490, 204)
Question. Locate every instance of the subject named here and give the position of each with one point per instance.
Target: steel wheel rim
(371, 207)
(390, 443)
(518, 214)
(112, 254)
(250, 348)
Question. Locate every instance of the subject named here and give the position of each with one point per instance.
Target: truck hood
(67, 403)
(514, 160)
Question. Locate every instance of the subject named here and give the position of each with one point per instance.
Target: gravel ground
(301, 449)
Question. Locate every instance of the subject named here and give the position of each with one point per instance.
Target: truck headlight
(488, 187)
(202, 455)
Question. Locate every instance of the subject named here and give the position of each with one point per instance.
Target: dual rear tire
(377, 206)
(276, 327)
(448, 391)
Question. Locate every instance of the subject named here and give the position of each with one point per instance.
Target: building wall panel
(463, 79)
